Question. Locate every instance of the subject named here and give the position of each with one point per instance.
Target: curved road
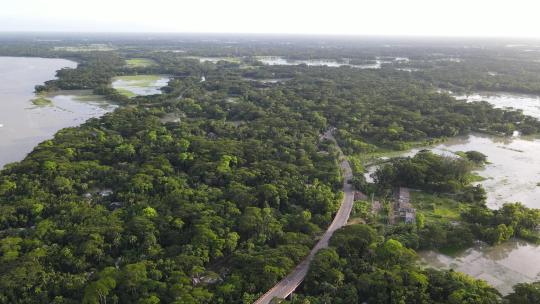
(287, 285)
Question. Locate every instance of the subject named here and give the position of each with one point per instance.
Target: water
(24, 125)
(278, 60)
(216, 59)
(512, 176)
(513, 172)
(267, 80)
(142, 85)
(502, 266)
(530, 104)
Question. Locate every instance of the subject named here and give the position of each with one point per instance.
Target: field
(436, 208)
(140, 62)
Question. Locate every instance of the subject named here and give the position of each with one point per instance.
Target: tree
(98, 291)
(324, 273)
(524, 293)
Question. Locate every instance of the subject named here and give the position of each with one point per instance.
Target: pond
(502, 266)
(140, 85)
(23, 124)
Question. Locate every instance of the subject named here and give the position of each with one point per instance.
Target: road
(287, 285)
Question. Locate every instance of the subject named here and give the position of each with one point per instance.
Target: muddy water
(502, 266)
(514, 170)
(22, 124)
(530, 104)
(513, 175)
(278, 60)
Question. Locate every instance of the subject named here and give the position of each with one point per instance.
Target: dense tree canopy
(362, 267)
(214, 190)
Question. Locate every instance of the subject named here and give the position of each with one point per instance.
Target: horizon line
(275, 34)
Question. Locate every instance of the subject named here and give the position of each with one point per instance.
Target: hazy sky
(520, 18)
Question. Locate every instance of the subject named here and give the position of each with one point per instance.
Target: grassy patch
(382, 154)
(436, 208)
(126, 92)
(475, 177)
(139, 80)
(41, 101)
(140, 62)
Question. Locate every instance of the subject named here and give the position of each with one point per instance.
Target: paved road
(286, 286)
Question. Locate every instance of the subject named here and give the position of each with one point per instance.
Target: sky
(492, 18)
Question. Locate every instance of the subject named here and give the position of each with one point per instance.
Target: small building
(403, 209)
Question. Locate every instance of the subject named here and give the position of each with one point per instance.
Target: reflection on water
(24, 125)
(502, 266)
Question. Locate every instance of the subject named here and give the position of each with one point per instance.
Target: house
(403, 208)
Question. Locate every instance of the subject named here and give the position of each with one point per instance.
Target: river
(23, 125)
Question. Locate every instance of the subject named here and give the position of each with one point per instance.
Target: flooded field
(216, 59)
(140, 85)
(514, 170)
(267, 80)
(376, 64)
(530, 104)
(502, 266)
(513, 174)
(23, 124)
